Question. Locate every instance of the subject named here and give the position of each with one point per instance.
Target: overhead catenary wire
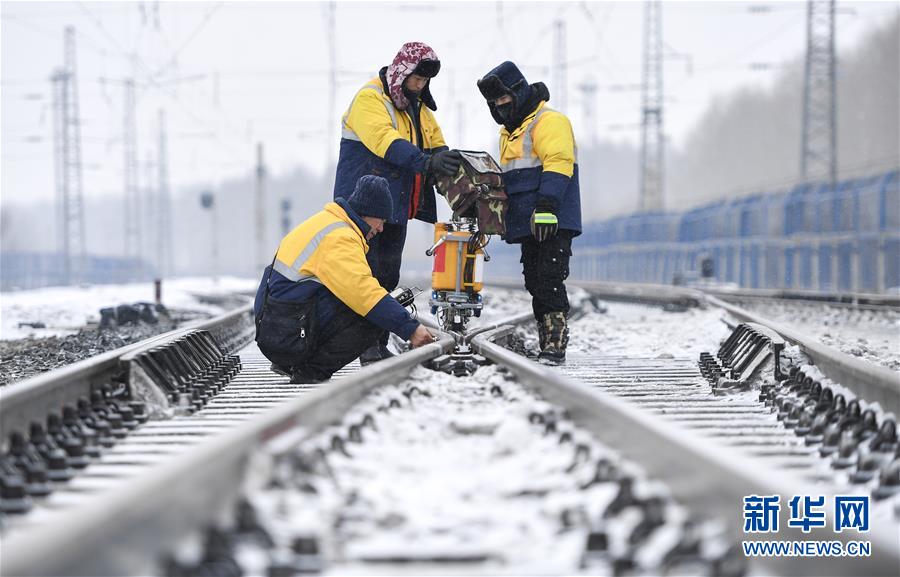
(153, 83)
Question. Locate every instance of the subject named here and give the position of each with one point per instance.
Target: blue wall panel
(810, 237)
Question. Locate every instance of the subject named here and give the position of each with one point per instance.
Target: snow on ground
(870, 336)
(456, 472)
(618, 329)
(624, 330)
(64, 310)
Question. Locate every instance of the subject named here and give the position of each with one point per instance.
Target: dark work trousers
(545, 266)
(384, 256)
(339, 341)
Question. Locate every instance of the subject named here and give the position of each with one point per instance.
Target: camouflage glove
(544, 224)
(444, 163)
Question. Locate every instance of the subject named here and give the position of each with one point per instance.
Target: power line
(152, 82)
(206, 18)
(85, 41)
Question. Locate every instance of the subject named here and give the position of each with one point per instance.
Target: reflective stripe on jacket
(379, 139)
(539, 162)
(328, 248)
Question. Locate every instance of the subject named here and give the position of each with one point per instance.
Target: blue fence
(20, 270)
(811, 238)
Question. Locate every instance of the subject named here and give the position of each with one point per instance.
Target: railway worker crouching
(318, 305)
(389, 130)
(540, 173)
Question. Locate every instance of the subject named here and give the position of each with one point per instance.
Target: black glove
(544, 224)
(444, 163)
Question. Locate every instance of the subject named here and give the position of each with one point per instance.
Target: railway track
(639, 421)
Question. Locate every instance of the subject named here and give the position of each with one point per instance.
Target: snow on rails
(514, 468)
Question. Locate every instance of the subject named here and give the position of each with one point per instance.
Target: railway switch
(742, 355)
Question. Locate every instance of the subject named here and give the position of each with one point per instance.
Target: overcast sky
(231, 74)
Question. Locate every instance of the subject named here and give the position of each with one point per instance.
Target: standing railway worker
(389, 130)
(540, 173)
(318, 305)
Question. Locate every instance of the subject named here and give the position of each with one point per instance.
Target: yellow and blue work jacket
(379, 139)
(539, 162)
(326, 255)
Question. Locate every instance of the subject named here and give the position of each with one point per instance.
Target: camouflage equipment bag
(476, 190)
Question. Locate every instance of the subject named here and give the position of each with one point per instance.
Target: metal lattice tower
(148, 192)
(67, 148)
(132, 216)
(332, 85)
(818, 158)
(285, 216)
(588, 90)
(164, 209)
(652, 143)
(559, 65)
(262, 251)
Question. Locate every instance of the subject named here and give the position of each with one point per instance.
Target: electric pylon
(652, 143)
(67, 148)
(818, 158)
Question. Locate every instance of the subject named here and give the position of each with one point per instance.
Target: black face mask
(502, 113)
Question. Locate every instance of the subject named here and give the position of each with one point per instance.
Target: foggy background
(234, 74)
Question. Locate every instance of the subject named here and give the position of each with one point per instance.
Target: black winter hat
(372, 197)
(506, 78)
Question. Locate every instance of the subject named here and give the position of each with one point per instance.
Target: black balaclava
(507, 79)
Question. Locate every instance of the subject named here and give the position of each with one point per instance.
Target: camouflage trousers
(545, 266)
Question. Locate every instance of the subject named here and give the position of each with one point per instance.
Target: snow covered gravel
(66, 310)
(871, 336)
(71, 314)
(616, 329)
(24, 358)
(457, 473)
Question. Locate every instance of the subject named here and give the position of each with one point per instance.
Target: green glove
(543, 224)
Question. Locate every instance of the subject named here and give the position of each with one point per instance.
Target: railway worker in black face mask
(540, 173)
(318, 305)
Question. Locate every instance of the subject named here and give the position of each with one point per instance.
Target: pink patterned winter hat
(410, 56)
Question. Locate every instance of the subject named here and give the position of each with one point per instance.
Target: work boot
(556, 337)
(542, 335)
(298, 377)
(281, 370)
(374, 354)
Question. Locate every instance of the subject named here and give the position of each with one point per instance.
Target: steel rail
(705, 477)
(862, 301)
(148, 516)
(513, 320)
(464, 338)
(871, 382)
(138, 524)
(31, 399)
(626, 292)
